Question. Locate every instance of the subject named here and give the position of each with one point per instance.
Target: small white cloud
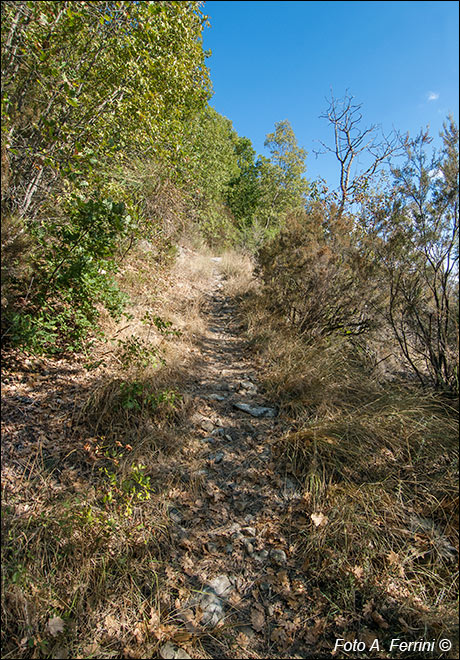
(435, 174)
(433, 96)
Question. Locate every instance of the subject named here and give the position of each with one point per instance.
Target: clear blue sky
(278, 60)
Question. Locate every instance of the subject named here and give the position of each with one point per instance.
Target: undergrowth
(377, 526)
(86, 525)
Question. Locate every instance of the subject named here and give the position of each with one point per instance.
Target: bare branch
(350, 140)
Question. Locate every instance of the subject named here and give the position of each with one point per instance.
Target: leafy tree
(243, 194)
(84, 80)
(288, 187)
(88, 87)
(211, 163)
(266, 190)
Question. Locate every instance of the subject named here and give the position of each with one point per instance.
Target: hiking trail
(235, 535)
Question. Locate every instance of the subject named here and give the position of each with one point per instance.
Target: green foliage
(288, 159)
(73, 273)
(125, 491)
(267, 190)
(138, 353)
(165, 328)
(243, 193)
(285, 188)
(137, 396)
(88, 88)
(209, 165)
(93, 79)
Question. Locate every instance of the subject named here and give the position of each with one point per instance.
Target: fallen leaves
(379, 620)
(55, 625)
(319, 519)
(358, 572)
(111, 625)
(313, 632)
(393, 558)
(369, 611)
(188, 565)
(257, 618)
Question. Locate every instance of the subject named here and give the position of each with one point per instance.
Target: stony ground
(239, 534)
(214, 564)
(232, 575)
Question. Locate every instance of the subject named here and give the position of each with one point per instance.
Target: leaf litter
(242, 491)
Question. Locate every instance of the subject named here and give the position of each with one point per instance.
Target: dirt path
(227, 578)
(237, 529)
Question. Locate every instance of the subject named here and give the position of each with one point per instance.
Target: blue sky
(279, 60)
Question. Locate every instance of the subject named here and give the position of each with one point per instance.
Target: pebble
(212, 608)
(255, 411)
(248, 545)
(216, 397)
(217, 457)
(250, 531)
(260, 556)
(207, 425)
(212, 600)
(247, 385)
(175, 515)
(279, 556)
(221, 585)
(171, 651)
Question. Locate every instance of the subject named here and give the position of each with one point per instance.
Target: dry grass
(86, 531)
(67, 556)
(379, 466)
(237, 270)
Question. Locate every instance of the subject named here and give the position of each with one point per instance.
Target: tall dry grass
(237, 270)
(86, 529)
(378, 462)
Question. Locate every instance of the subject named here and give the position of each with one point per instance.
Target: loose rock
(216, 397)
(279, 556)
(207, 425)
(170, 650)
(217, 457)
(248, 545)
(175, 515)
(260, 556)
(221, 585)
(255, 411)
(212, 603)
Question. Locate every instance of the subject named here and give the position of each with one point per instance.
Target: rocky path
(227, 578)
(238, 531)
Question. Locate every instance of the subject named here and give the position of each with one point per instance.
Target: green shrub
(74, 275)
